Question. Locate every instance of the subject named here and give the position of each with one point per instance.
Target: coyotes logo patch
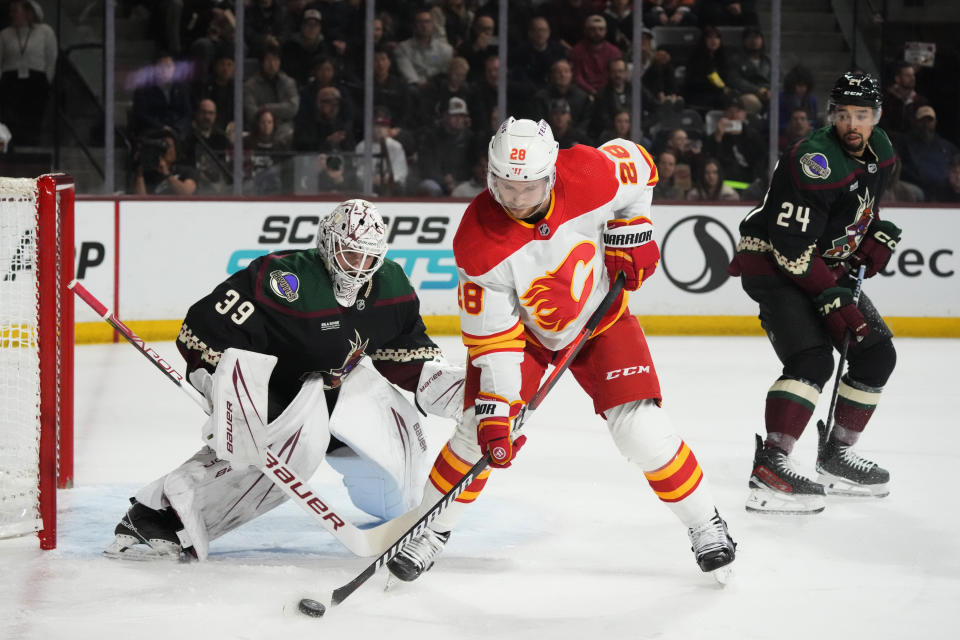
(334, 377)
(847, 244)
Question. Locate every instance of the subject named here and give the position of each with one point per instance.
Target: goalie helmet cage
(36, 352)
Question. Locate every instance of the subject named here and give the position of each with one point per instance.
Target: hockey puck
(311, 608)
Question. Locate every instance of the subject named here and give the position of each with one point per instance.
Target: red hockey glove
(494, 418)
(839, 313)
(877, 247)
(629, 247)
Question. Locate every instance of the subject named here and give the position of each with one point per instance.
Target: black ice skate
(713, 547)
(844, 473)
(418, 555)
(146, 534)
(775, 487)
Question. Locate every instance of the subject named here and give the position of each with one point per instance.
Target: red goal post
(36, 352)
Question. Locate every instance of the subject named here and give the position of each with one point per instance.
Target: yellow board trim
(159, 330)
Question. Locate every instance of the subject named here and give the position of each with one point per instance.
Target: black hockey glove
(877, 247)
(839, 313)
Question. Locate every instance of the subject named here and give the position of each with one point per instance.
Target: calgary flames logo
(334, 377)
(844, 246)
(557, 298)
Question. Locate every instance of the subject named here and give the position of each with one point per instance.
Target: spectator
(615, 96)
(686, 151)
(327, 74)
(484, 95)
(158, 172)
(619, 127)
(390, 168)
(927, 155)
(666, 188)
(561, 86)
(436, 96)
(660, 80)
(739, 149)
(707, 79)
(219, 88)
(476, 183)
(263, 26)
(201, 19)
(798, 94)
(423, 55)
(324, 128)
(900, 191)
(564, 132)
(452, 20)
(952, 193)
(392, 91)
(619, 17)
(162, 100)
(444, 160)
(531, 61)
(709, 185)
(219, 39)
(261, 149)
(272, 89)
(901, 100)
(383, 33)
(204, 148)
(566, 19)
(669, 13)
(750, 69)
(481, 45)
(299, 52)
(591, 55)
(798, 127)
(733, 13)
(28, 60)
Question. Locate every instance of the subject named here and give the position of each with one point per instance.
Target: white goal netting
(19, 359)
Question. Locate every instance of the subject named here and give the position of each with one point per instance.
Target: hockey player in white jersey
(536, 252)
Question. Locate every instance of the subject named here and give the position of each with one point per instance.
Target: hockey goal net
(36, 352)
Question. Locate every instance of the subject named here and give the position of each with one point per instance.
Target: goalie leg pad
(390, 455)
(645, 436)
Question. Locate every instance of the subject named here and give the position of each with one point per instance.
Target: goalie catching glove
(876, 248)
(840, 313)
(494, 420)
(629, 247)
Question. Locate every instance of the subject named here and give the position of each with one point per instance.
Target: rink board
(150, 259)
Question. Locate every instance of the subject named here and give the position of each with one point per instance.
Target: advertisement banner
(172, 253)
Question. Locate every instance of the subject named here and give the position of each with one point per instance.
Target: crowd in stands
(436, 70)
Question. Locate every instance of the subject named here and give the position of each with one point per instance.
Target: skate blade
(765, 500)
(837, 486)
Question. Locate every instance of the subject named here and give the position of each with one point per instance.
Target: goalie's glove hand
(629, 247)
(440, 389)
(877, 247)
(494, 420)
(839, 313)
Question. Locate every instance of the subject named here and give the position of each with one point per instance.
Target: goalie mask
(352, 243)
(522, 161)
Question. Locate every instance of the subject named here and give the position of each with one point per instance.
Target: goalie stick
(362, 542)
(342, 593)
(824, 428)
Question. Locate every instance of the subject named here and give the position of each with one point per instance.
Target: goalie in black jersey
(293, 331)
(797, 257)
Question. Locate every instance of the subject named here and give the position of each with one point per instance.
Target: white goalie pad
(213, 496)
(389, 458)
(239, 398)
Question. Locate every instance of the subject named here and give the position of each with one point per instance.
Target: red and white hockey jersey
(521, 281)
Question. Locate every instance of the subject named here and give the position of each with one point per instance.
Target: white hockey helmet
(522, 151)
(352, 243)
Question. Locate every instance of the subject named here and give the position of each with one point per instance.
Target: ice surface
(568, 543)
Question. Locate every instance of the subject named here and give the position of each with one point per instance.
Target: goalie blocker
(384, 462)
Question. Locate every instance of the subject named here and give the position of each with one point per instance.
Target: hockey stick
(362, 542)
(342, 593)
(823, 429)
